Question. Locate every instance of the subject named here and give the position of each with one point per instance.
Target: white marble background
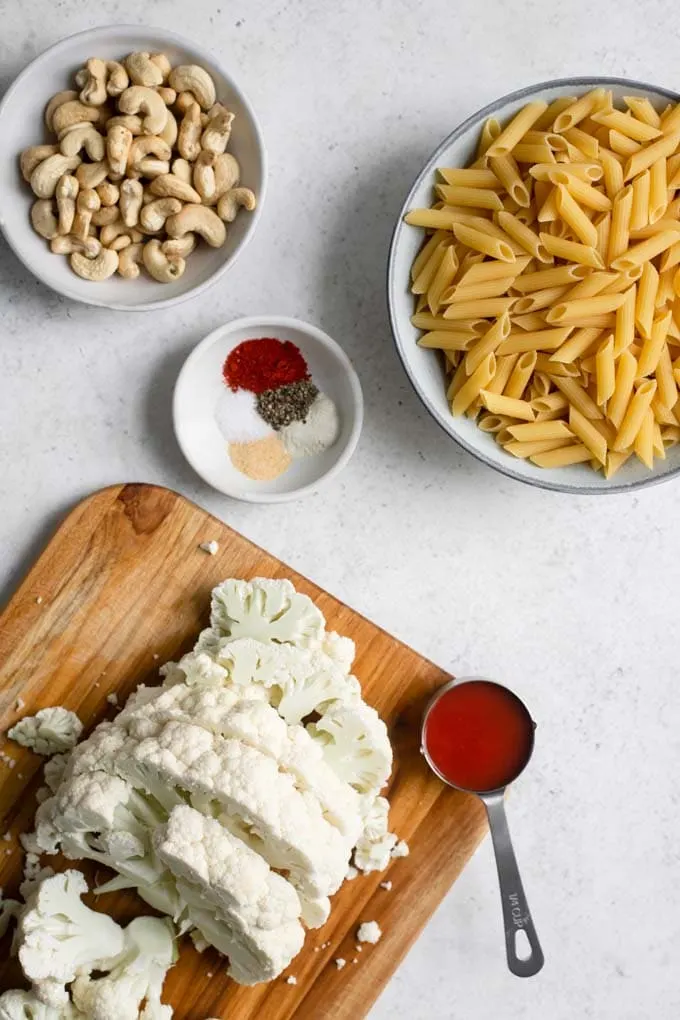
(571, 601)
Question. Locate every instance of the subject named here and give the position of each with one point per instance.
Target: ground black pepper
(286, 404)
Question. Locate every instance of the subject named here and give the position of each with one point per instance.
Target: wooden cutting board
(123, 587)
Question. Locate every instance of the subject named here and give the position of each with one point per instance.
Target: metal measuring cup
(516, 915)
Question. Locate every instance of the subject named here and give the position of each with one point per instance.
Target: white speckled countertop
(571, 601)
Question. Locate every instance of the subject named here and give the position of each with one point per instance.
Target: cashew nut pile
(139, 170)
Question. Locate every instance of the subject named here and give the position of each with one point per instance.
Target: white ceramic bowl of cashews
(141, 211)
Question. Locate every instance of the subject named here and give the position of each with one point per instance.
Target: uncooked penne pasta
(539, 299)
(542, 340)
(658, 190)
(576, 453)
(446, 270)
(521, 374)
(487, 344)
(504, 367)
(523, 235)
(434, 219)
(584, 308)
(582, 254)
(537, 430)
(423, 280)
(494, 422)
(651, 348)
(576, 346)
(426, 321)
(605, 370)
(667, 390)
(529, 449)
(475, 291)
(645, 250)
(622, 144)
(575, 218)
(644, 440)
(639, 214)
(484, 308)
(490, 131)
(583, 142)
(471, 388)
(507, 406)
(542, 278)
(550, 402)
(613, 173)
(469, 198)
(635, 412)
(446, 341)
(638, 130)
(506, 170)
(579, 110)
(467, 178)
(426, 252)
(483, 242)
(624, 331)
(589, 435)
(516, 129)
(642, 109)
(584, 193)
(642, 159)
(493, 270)
(620, 227)
(603, 225)
(577, 396)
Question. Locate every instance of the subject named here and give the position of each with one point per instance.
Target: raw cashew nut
(83, 136)
(179, 247)
(102, 217)
(227, 174)
(118, 143)
(30, 158)
(88, 202)
(43, 219)
(117, 80)
(204, 176)
(45, 176)
(91, 175)
(162, 62)
(194, 79)
(129, 121)
(139, 99)
(66, 192)
(61, 97)
(183, 102)
(229, 204)
(96, 269)
(90, 246)
(172, 186)
(159, 265)
(147, 145)
(167, 95)
(131, 194)
(182, 169)
(129, 259)
(70, 113)
(188, 139)
(108, 192)
(120, 242)
(143, 71)
(216, 135)
(170, 131)
(154, 215)
(111, 231)
(153, 167)
(92, 81)
(198, 219)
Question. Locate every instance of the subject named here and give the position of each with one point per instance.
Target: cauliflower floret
(267, 610)
(58, 937)
(340, 649)
(54, 769)
(48, 731)
(373, 849)
(20, 1005)
(137, 977)
(355, 744)
(369, 932)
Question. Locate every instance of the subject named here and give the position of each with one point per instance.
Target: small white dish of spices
(266, 408)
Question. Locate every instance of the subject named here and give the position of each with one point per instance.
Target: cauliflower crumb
(387, 886)
(401, 849)
(39, 599)
(355, 960)
(370, 932)
(209, 974)
(340, 963)
(156, 655)
(291, 980)
(7, 837)
(212, 547)
(19, 705)
(359, 949)
(112, 699)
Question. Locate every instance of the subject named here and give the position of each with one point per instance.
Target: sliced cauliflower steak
(234, 796)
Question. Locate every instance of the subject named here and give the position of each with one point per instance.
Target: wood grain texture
(123, 587)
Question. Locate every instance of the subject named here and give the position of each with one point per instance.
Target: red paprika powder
(264, 364)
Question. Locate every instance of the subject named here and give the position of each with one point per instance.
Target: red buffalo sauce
(478, 735)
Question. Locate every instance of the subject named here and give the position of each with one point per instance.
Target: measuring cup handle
(516, 916)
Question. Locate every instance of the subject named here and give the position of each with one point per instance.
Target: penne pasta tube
(572, 214)
(670, 435)
(542, 340)
(435, 219)
(537, 430)
(548, 211)
(586, 172)
(624, 280)
(644, 440)
(493, 270)
(493, 423)
(603, 225)
(446, 341)
(530, 449)
(638, 130)
(663, 415)
(445, 273)
(537, 153)
(573, 311)
(507, 406)
(539, 299)
(612, 171)
(578, 111)
(620, 226)
(550, 402)
(557, 277)
(519, 125)
(645, 250)
(651, 348)
(642, 109)
(594, 284)
(423, 281)
(427, 251)
(582, 141)
(506, 170)
(426, 321)
(483, 242)
(582, 254)
(490, 288)
(658, 190)
(519, 379)
(667, 390)
(639, 214)
(470, 389)
(576, 453)
(490, 131)
(531, 321)
(637, 408)
(657, 441)
(642, 159)
(466, 198)
(486, 308)
(671, 257)
(504, 367)
(545, 366)
(487, 344)
(624, 331)
(523, 235)
(468, 178)
(581, 191)
(584, 430)
(576, 345)
(615, 461)
(622, 144)
(546, 119)
(577, 396)
(605, 370)
(665, 293)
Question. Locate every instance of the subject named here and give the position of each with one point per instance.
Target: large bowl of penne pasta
(534, 285)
